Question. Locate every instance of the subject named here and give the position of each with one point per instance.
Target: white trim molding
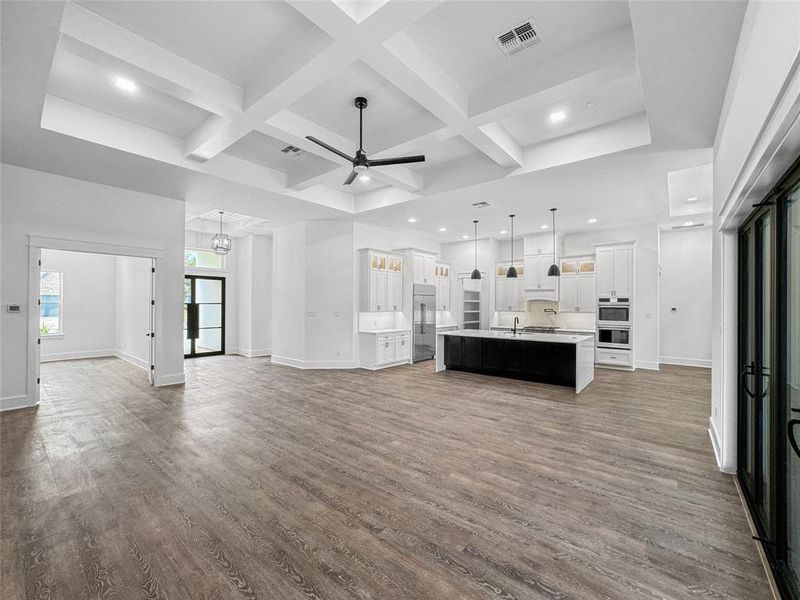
(77, 355)
(130, 358)
(251, 353)
(686, 362)
(650, 365)
(93, 247)
(170, 379)
(16, 402)
(312, 364)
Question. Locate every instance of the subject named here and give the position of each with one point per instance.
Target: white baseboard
(77, 355)
(15, 402)
(170, 379)
(251, 353)
(650, 365)
(134, 360)
(314, 364)
(686, 362)
(712, 434)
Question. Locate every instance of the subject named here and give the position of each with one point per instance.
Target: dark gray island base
(557, 359)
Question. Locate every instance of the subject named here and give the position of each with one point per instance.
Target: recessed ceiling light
(126, 85)
(364, 178)
(442, 229)
(543, 226)
(688, 223)
(412, 220)
(591, 104)
(592, 220)
(465, 237)
(693, 199)
(558, 116)
(503, 232)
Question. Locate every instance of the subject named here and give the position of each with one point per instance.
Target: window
(203, 259)
(51, 303)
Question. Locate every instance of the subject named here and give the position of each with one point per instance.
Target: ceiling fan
(360, 161)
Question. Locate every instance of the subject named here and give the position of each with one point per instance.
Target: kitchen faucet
(516, 321)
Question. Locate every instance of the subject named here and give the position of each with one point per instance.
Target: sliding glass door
(769, 377)
(203, 316)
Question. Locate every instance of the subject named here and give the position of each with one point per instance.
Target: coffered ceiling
(199, 101)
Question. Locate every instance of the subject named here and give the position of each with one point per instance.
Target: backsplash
(534, 315)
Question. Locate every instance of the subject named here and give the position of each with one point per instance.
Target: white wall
(757, 139)
(289, 294)
(132, 318)
(88, 310)
(37, 203)
(686, 287)
(254, 292)
(461, 256)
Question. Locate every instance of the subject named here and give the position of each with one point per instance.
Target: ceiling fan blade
(397, 161)
(330, 148)
(350, 178)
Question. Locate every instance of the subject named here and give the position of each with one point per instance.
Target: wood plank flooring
(262, 481)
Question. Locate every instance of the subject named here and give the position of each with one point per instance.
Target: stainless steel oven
(614, 336)
(614, 313)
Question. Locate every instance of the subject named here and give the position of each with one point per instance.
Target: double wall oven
(614, 320)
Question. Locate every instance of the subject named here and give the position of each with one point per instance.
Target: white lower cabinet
(384, 349)
(611, 357)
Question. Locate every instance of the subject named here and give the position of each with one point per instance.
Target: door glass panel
(210, 315)
(748, 358)
(209, 340)
(792, 383)
(764, 401)
(208, 290)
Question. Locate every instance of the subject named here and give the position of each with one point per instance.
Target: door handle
(790, 433)
(748, 370)
(422, 318)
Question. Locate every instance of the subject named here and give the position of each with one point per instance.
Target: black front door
(203, 316)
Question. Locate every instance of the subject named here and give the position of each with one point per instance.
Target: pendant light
(554, 271)
(221, 242)
(476, 274)
(512, 271)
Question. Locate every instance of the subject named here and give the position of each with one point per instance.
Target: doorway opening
(203, 316)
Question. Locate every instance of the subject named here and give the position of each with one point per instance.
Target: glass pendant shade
(512, 270)
(221, 242)
(476, 274)
(554, 270)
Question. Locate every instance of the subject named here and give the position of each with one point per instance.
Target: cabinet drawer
(609, 356)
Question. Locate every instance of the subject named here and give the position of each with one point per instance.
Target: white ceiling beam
(68, 118)
(297, 72)
(88, 34)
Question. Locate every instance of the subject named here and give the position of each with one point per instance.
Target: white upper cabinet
(442, 278)
(508, 292)
(424, 269)
(540, 243)
(538, 286)
(577, 293)
(614, 271)
(381, 277)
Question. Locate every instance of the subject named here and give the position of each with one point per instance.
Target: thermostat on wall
(13, 308)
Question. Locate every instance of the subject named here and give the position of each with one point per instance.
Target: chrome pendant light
(221, 242)
(512, 270)
(476, 274)
(554, 271)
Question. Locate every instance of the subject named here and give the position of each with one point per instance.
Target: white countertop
(557, 338)
(557, 330)
(379, 331)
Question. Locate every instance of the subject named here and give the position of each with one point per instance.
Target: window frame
(60, 305)
(189, 269)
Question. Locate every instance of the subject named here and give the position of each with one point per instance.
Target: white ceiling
(237, 81)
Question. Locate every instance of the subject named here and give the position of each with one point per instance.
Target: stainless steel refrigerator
(424, 322)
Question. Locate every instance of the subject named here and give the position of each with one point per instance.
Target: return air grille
(523, 35)
(481, 204)
(293, 151)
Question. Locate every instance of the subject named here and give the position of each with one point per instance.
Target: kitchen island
(555, 358)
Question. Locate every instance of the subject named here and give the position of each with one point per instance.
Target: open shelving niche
(471, 304)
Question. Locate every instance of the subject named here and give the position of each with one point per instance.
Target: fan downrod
(360, 102)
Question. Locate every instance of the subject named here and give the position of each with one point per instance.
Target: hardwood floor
(262, 481)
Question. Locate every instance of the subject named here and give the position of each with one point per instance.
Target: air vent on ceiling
(519, 37)
(688, 226)
(293, 151)
(482, 204)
